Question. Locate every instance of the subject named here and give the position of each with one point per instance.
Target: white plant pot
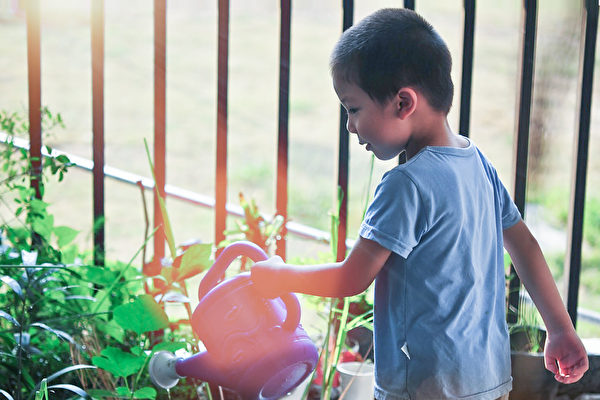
(357, 380)
(298, 392)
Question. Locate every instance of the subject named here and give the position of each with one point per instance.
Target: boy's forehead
(344, 75)
(344, 88)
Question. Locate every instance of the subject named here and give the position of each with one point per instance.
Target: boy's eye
(352, 110)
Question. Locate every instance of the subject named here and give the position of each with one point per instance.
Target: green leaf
(138, 351)
(69, 253)
(163, 208)
(72, 388)
(101, 307)
(37, 206)
(43, 226)
(6, 394)
(99, 223)
(118, 362)
(63, 159)
(123, 391)
(195, 260)
(141, 315)
(9, 318)
(69, 369)
(100, 393)
(169, 346)
(80, 297)
(64, 235)
(42, 393)
(14, 285)
(10, 355)
(100, 276)
(27, 376)
(60, 334)
(113, 329)
(145, 393)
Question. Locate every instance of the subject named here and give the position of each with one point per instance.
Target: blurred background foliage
(314, 112)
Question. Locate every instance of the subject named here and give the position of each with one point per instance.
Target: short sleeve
(395, 219)
(509, 213)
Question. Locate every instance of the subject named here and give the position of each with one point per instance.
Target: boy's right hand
(565, 356)
(265, 277)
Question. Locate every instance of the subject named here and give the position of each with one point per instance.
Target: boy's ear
(406, 101)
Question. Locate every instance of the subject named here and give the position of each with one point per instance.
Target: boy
(433, 237)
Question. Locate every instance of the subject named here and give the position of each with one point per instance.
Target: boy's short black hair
(394, 48)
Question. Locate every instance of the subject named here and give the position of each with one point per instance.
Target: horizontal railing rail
(175, 192)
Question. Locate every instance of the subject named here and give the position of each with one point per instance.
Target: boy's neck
(432, 129)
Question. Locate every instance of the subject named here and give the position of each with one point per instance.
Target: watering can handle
(255, 253)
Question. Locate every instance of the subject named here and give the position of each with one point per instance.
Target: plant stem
(22, 323)
(342, 330)
(340, 339)
(20, 353)
(139, 374)
(122, 272)
(330, 359)
(163, 209)
(188, 308)
(207, 389)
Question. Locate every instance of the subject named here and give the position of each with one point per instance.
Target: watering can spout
(203, 367)
(162, 369)
(166, 369)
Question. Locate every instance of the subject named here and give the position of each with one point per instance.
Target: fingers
(567, 379)
(577, 368)
(272, 261)
(551, 365)
(570, 374)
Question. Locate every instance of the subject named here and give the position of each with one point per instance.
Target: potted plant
(531, 379)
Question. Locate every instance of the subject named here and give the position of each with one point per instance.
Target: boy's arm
(564, 353)
(347, 278)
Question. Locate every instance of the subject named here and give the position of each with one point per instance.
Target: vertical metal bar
(409, 4)
(34, 78)
(343, 155)
(160, 37)
(467, 68)
(529, 18)
(222, 82)
(97, 31)
(402, 157)
(576, 213)
(282, 145)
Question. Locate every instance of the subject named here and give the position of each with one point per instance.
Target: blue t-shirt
(440, 326)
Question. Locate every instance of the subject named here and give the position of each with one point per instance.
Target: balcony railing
(529, 10)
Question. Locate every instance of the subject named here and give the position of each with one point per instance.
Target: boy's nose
(350, 126)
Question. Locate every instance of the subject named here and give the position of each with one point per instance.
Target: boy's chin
(385, 157)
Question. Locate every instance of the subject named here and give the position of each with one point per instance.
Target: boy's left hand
(565, 356)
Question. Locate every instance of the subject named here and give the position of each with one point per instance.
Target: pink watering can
(254, 345)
